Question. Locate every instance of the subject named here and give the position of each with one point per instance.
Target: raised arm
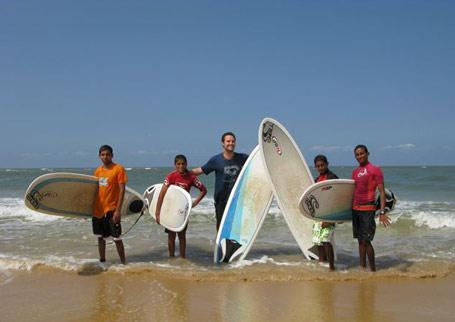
(197, 171)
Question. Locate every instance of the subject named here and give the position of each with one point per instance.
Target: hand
(157, 218)
(116, 217)
(385, 220)
(326, 224)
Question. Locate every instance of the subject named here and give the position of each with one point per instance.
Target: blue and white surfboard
(245, 211)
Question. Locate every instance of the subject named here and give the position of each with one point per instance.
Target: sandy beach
(50, 295)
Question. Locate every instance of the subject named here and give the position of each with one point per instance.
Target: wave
(429, 214)
(260, 269)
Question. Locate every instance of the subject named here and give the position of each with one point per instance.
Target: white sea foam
(431, 214)
(263, 260)
(14, 208)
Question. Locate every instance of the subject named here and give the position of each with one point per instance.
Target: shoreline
(145, 296)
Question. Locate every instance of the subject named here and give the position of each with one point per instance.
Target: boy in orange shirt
(106, 213)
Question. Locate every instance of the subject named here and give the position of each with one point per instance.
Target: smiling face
(361, 155)
(228, 143)
(106, 157)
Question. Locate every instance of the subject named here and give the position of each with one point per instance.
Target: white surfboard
(245, 211)
(176, 207)
(329, 201)
(290, 177)
(73, 194)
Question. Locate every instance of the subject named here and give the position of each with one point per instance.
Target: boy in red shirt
(368, 178)
(184, 179)
(106, 213)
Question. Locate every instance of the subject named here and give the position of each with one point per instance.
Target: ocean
(420, 242)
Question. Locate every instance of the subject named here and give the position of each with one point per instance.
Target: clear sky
(156, 78)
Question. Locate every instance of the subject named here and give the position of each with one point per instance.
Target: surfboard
(73, 194)
(331, 201)
(245, 211)
(176, 207)
(290, 176)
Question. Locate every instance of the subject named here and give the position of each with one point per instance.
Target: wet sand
(43, 295)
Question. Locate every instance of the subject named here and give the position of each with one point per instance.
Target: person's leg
(322, 253)
(120, 250)
(102, 249)
(219, 210)
(362, 253)
(370, 254)
(330, 255)
(171, 243)
(182, 243)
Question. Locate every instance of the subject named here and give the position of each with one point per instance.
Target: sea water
(420, 242)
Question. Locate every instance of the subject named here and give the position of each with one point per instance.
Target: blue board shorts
(363, 225)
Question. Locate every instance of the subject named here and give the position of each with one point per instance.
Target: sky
(158, 78)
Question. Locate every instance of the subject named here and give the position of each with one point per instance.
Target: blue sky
(156, 78)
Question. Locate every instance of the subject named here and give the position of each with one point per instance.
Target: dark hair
(361, 146)
(180, 157)
(226, 134)
(106, 148)
(321, 157)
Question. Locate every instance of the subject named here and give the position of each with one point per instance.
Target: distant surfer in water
(227, 166)
(323, 231)
(184, 179)
(368, 178)
(112, 180)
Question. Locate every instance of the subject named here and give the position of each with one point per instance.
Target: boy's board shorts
(363, 225)
(322, 235)
(167, 231)
(105, 227)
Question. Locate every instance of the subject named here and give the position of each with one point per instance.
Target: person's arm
(159, 203)
(117, 213)
(383, 218)
(197, 171)
(202, 193)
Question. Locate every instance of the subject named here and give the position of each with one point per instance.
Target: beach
(45, 295)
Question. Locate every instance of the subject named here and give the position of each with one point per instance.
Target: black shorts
(167, 231)
(105, 227)
(363, 225)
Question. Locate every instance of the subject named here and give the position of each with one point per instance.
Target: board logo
(34, 197)
(267, 131)
(312, 204)
(326, 188)
(278, 149)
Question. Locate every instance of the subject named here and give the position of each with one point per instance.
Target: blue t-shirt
(226, 172)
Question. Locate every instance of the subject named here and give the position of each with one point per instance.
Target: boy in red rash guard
(368, 178)
(184, 179)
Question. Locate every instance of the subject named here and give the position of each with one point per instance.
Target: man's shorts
(363, 225)
(105, 227)
(322, 235)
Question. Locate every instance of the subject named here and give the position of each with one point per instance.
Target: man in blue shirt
(227, 166)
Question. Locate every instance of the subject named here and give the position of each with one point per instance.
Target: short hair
(106, 148)
(226, 134)
(361, 146)
(321, 157)
(180, 157)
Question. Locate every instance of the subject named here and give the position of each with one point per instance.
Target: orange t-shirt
(108, 187)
